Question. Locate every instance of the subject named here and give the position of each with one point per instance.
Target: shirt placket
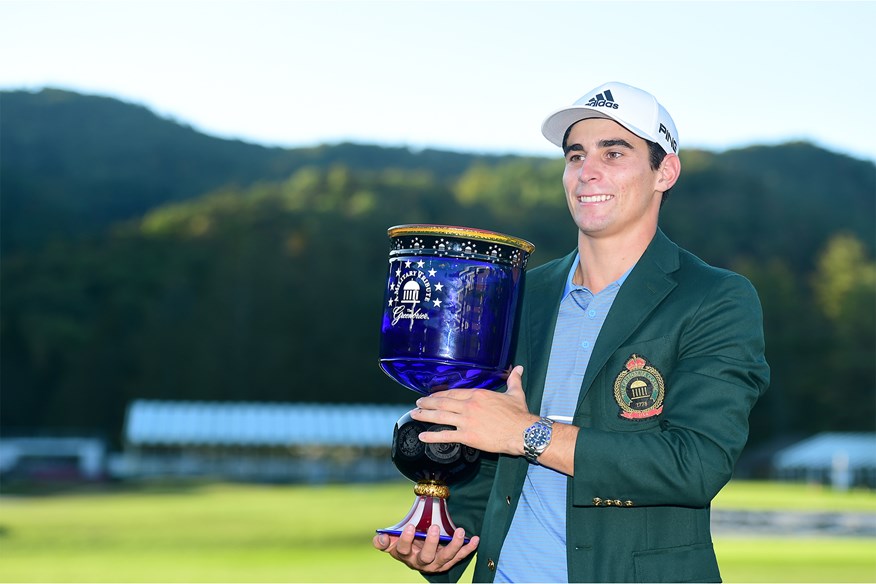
(582, 299)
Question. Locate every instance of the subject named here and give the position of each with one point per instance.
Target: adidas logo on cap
(604, 99)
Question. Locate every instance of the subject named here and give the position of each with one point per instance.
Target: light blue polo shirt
(535, 548)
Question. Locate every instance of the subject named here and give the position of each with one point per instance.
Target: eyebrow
(601, 144)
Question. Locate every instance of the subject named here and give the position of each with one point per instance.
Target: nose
(588, 169)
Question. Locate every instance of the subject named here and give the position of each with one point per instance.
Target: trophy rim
(460, 231)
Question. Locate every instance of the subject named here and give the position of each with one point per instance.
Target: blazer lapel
(647, 285)
(543, 306)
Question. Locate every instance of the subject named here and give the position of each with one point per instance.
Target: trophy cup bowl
(450, 308)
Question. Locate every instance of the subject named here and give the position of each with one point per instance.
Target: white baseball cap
(636, 110)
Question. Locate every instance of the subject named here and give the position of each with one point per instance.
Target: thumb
(515, 381)
(381, 541)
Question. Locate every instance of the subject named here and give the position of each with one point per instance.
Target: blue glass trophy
(450, 308)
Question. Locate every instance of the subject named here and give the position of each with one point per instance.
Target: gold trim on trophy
(466, 232)
(431, 489)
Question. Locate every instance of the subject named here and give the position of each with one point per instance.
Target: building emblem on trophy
(411, 294)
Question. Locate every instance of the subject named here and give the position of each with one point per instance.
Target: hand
(487, 420)
(427, 556)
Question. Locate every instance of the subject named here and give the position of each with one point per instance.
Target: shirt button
(491, 565)
(591, 313)
(585, 344)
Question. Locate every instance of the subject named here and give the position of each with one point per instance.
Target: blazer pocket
(634, 388)
(693, 563)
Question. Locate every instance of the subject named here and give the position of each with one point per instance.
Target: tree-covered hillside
(263, 278)
(73, 164)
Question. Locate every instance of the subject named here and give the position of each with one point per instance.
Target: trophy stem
(430, 507)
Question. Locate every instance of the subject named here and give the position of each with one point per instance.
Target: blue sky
(467, 76)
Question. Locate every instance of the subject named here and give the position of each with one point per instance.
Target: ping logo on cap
(668, 137)
(604, 99)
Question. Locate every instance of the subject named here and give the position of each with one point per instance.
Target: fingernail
(381, 539)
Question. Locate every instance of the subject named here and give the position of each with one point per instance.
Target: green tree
(845, 289)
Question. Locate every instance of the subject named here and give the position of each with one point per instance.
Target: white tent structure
(259, 441)
(841, 459)
(53, 458)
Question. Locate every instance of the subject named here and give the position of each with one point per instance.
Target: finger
(515, 381)
(440, 437)
(455, 544)
(456, 550)
(405, 542)
(382, 541)
(447, 395)
(430, 546)
(439, 404)
(471, 546)
(441, 417)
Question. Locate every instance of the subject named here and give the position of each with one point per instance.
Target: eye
(576, 158)
(613, 154)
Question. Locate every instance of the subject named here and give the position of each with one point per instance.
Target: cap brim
(556, 124)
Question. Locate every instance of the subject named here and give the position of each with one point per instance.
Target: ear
(668, 173)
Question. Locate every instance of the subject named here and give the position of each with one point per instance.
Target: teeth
(593, 198)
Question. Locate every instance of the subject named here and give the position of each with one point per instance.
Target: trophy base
(426, 511)
(427, 376)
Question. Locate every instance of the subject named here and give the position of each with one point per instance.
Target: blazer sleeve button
(628, 503)
(618, 503)
(609, 502)
(597, 501)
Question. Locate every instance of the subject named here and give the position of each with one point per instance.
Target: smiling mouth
(594, 198)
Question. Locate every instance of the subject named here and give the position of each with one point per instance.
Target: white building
(53, 458)
(298, 442)
(840, 459)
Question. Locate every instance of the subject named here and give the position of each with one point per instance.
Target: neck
(604, 260)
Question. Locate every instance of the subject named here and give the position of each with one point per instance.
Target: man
(638, 365)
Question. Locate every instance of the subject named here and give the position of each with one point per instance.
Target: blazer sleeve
(687, 456)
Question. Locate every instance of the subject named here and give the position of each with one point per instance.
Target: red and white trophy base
(430, 507)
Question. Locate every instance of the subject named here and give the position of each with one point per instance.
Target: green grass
(793, 496)
(797, 560)
(250, 533)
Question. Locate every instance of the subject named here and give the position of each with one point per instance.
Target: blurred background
(194, 198)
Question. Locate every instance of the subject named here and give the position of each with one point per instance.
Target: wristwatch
(536, 439)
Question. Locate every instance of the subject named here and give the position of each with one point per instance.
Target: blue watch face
(539, 435)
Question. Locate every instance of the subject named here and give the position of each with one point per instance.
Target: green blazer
(637, 508)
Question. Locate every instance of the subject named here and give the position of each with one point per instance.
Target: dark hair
(656, 154)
